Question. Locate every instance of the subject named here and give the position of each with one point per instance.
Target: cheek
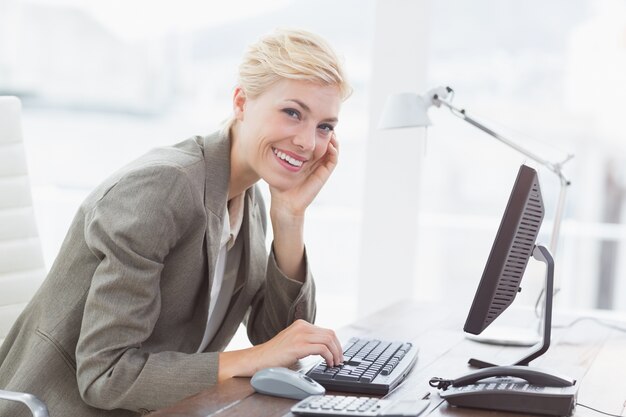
(321, 148)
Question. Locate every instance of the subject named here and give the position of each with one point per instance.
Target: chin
(279, 178)
(281, 184)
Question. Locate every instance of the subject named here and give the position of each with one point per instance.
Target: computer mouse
(283, 382)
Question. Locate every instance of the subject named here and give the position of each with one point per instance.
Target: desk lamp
(411, 110)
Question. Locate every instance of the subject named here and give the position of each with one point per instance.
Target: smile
(289, 159)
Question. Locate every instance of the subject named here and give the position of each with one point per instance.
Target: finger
(339, 347)
(333, 150)
(333, 344)
(333, 153)
(330, 341)
(319, 349)
(334, 141)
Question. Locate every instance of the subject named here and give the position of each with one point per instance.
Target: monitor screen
(512, 247)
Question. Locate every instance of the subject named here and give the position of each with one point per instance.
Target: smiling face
(281, 134)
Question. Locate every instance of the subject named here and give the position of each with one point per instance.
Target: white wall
(390, 207)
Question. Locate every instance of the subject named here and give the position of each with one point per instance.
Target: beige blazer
(114, 329)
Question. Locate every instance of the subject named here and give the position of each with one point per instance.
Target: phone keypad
(494, 386)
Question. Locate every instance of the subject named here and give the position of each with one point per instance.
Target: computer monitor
(512, 248)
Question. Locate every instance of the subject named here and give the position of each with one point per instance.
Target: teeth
(289, 159)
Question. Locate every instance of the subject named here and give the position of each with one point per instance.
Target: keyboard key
(344, 377)
(321, 376)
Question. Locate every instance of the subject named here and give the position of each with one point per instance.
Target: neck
(242, 176)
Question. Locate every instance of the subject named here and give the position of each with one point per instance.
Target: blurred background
(103, 82)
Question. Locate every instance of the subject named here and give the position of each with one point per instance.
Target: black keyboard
(370, 367)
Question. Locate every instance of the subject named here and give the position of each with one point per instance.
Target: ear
(239, 100)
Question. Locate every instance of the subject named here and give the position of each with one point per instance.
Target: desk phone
(512, 388)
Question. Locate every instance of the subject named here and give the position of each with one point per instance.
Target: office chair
(21, 260)
(36, 407)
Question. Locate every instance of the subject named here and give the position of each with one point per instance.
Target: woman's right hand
(297, 341)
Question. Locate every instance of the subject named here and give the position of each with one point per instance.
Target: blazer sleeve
(280, 301)
(131, 229)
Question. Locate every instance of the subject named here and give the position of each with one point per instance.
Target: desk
(592, 354)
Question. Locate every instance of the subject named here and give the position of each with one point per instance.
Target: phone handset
(534, 376)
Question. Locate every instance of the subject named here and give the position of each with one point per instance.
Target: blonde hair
(293, 54)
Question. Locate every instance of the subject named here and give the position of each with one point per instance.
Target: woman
(167, 257)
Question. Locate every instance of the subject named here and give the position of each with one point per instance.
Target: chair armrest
(36, 406)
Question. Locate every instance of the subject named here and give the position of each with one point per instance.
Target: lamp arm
(554, 167)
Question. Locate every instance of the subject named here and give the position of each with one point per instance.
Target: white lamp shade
(404, 110)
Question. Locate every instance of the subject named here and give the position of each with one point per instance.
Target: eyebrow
(308, 109)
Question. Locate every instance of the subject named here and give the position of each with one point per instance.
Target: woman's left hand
(287, 213)
(294, 201)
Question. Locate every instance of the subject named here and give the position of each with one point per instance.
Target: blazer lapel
(217, 160)
(255, 255)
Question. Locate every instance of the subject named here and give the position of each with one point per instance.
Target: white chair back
(22, 267)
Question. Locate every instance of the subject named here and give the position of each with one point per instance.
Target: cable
(440, 383)
(598, 411)
(598, 321)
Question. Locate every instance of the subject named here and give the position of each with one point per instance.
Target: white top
(222, 289)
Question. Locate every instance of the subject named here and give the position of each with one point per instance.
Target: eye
(293, 113)
(326, 128)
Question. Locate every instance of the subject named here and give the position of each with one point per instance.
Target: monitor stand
(542, 254)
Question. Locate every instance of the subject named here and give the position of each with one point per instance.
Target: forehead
(319, 98)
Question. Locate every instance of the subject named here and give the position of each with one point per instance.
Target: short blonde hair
(292, 54)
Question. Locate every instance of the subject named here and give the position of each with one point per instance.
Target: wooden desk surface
(592, 354)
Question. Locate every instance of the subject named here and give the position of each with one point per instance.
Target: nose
(305, 140)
